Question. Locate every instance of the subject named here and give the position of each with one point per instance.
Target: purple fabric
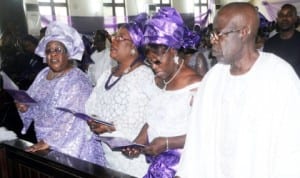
(165, 27)
(191, 39)
(135, 28)
(263, 21)
(202, 19)
(163, 165)
(57, 31)
(61, 130)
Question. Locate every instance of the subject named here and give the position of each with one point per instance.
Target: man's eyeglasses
(156, 61)
(56, 50)
(120, 38)
(216, 36)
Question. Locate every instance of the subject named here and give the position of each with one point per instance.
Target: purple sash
(163, 165)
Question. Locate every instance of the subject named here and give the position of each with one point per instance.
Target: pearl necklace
(173, 77)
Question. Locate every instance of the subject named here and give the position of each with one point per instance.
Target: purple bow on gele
(191, 39)
(135, 28)
(165, 27)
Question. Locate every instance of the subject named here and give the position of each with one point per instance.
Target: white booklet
(119, 143)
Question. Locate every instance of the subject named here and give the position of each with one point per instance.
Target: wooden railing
(16, 163)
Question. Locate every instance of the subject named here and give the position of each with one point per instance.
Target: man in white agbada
(245, 121)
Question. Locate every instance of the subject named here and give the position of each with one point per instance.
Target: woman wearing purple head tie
(164, 132)
(121, 96)
(60, 85)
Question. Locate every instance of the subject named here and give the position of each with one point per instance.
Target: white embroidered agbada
(245, 126)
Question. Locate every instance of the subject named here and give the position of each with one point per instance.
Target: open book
(85, 116)
(119, 143)
(18, 95)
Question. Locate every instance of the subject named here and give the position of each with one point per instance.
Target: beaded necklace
(173, 77)
(108, 86)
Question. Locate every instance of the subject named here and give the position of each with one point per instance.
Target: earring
(132, 52)
(176, 59)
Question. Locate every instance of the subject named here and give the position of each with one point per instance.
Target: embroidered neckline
(108, 86)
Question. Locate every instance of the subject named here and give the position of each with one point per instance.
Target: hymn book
(12, 89)
(85, 116)
(119, 143)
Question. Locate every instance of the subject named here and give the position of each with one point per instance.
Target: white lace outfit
(124, 105)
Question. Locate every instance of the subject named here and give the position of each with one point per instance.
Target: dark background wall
(12, 14)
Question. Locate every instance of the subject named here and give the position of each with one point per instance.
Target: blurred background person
(101, 56)
(286, 42)
(32, 64)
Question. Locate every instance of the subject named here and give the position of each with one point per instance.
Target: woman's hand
(41, 145)
(22, 107)
(157, 146)
(99, 128)
(132, 152)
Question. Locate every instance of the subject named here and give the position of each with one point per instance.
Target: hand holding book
(99, 128)
(85, 117)
(120, 144)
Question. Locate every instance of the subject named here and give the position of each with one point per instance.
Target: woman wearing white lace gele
(121, 96)
(164, 132)
(60, 85)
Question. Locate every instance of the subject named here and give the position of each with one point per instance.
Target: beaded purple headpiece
(65, 34)
(135, 28)
(191, 39)
(165, 27)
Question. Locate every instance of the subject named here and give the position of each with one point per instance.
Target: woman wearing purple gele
(122, 94)
(166, 115)
(60, 85)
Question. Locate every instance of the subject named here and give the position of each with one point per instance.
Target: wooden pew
(16, 163)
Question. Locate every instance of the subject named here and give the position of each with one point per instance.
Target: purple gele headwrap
(57, 31)
(191, 39)
(165, 27)
(135, 28)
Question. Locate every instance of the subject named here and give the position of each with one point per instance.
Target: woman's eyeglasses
(56, 50)
(149, 62)
(120, 38)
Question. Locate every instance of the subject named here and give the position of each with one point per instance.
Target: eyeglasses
(120, 38)
(56, 50)
(149, 62)
(217, 36)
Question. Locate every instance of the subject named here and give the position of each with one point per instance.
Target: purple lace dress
(61, 130)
